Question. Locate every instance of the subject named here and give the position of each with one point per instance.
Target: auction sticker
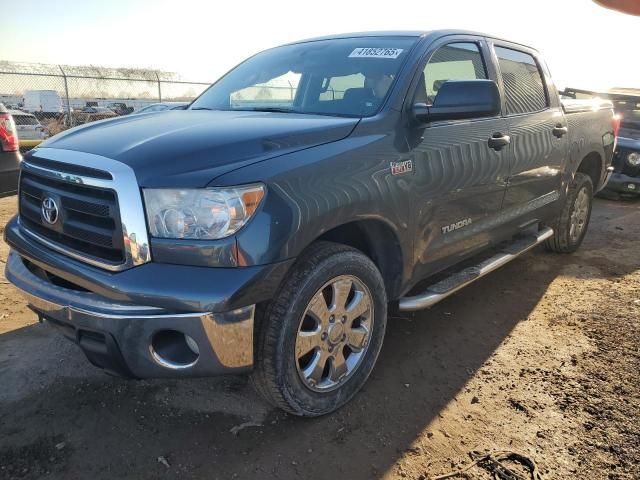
(372, 52)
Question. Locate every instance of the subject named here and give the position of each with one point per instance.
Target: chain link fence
(62, 96)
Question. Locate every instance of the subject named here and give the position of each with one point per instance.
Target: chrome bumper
(122, 337)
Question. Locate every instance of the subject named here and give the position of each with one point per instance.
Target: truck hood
(187, 148)
(628, 143)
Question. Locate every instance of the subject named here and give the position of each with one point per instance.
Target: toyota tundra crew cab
(266, 228)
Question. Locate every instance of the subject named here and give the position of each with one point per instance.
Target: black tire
(276, 373)
(562, 240)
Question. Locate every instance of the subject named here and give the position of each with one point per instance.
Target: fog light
(173, 349)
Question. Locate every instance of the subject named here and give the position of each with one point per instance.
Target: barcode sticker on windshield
(370, 52)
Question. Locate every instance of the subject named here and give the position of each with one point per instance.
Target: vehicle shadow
(144, 429)
(121, 427)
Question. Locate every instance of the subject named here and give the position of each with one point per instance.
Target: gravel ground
(541, 358)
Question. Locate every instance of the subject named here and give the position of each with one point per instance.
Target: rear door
(460, 181)
(537, 128)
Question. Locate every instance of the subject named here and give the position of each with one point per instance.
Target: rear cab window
(336, 86)
(524, 87)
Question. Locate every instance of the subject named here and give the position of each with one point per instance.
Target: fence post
(66, 92)
(159, 88)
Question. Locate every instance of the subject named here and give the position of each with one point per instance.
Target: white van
(45, 101)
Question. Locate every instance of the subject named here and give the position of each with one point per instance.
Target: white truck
(44, 101)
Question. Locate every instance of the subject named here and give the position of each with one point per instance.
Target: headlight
(203, 213)
(633, 159)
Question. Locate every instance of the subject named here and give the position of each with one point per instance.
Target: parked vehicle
(30, 131)
(9, 154)
(42, 102)
(266, 230)
(120, 108)
(160, 107)
(88, 115)
(625, 178)
(97, 109)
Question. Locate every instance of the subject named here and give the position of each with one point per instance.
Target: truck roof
(434, 34)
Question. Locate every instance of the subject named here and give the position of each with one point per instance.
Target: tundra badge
(457, 225)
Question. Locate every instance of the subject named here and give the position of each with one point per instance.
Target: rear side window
(522, 81)
(455, 61)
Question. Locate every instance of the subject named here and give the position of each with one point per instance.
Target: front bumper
(143, 322)
(622, 183)
(120, 337)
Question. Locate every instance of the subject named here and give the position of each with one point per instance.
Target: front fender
(315, 190)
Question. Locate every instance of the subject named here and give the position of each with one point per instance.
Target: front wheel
(570, 227)
(318, 340)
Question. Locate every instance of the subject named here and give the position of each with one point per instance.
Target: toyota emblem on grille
(49, 210)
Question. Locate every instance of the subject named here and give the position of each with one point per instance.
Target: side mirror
(461, 99)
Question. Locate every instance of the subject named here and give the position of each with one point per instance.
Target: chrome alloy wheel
(334, 333)
(579, 215)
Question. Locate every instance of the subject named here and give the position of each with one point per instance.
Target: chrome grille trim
(134, 227)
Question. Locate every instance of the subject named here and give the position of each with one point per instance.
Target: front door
(460, 180)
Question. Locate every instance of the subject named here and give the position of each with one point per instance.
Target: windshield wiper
(201, 108)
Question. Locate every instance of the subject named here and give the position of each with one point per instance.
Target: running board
(455, 282)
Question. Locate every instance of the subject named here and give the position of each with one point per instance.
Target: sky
(585, 45)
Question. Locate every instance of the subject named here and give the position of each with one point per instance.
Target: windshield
(344, 77)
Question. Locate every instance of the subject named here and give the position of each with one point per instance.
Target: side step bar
(455, 282)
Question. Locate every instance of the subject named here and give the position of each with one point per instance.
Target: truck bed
(571, 105)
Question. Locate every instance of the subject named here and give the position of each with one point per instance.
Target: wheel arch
(378, 241)
(591, 165)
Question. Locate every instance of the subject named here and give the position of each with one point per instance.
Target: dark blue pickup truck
(268, 227)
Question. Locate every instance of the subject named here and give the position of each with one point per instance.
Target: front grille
(621, 165)
(88, 217)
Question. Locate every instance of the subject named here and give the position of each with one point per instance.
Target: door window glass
(522, 80)
(455, 61)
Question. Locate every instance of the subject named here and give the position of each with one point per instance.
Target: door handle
(499, 141)
(559, 131)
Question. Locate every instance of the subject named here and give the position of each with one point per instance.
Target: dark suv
(267, 227)
(626, 159)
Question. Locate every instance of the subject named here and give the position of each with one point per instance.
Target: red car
(9, 154)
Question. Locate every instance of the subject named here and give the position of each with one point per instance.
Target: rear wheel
(571, 226)
(318, 340)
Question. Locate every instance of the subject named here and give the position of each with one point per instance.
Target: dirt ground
(541, 357)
